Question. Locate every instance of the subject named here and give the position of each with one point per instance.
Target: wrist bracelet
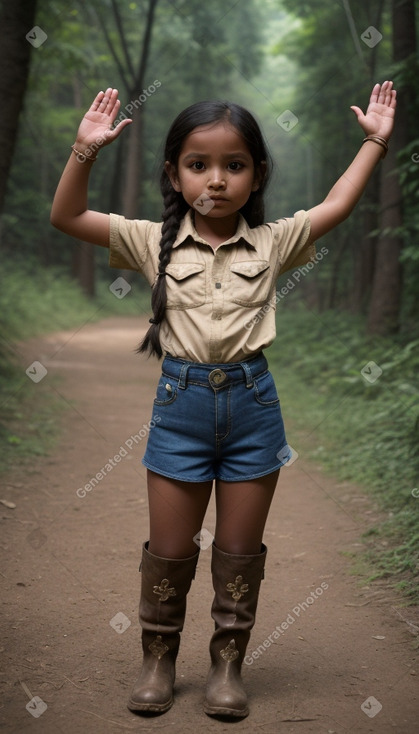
(83, 157)
(380, 141)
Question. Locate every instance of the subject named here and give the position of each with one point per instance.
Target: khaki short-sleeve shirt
(220, 303)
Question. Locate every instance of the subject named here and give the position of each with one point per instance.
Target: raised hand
(379, 117)
(96, 128)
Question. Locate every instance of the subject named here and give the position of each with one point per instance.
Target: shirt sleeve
(130, 242)
(291, 235)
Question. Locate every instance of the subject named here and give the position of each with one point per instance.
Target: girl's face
(215, 162)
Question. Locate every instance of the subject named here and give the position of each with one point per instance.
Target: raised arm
(70, 211)
(342, 198)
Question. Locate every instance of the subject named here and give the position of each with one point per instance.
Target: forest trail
(343, 659)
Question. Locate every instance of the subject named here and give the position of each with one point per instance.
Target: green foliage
(361, 431)
(198, 51)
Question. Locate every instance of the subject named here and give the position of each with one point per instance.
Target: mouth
(218, 198)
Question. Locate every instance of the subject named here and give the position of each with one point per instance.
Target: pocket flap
(180, 271)
(249, 268)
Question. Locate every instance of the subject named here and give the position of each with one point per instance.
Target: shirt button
(218, 285)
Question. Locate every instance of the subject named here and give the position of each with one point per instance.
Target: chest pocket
(185, 285)
(251, 282)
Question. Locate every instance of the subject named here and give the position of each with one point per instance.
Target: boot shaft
(236, 581)
(165, 584)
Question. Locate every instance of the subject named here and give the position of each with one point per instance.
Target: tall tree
(16, 22)
(384, 311)
(132, 72)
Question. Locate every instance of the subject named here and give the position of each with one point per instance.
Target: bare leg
(242, 510)
(177, 510)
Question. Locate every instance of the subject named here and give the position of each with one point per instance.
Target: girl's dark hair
(175, 206)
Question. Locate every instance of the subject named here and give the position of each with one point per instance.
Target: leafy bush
(353, 403)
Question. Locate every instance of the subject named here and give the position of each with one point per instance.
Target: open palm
(96, 125)
(379, 117)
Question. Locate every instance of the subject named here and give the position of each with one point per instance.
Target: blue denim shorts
(216, 421)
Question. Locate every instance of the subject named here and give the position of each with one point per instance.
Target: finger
(113, 99)
(96, 102)
(393, 101)
(115, 109)
(105, 100)
(382, 94)
(112, 134)
(390, 94)
(359, 113)
(375, 92)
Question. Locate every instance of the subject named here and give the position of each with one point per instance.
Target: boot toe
(150, 699)
(226, 700)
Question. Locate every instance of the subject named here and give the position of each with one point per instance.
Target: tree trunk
(133, 168)
(132, 185)
(84, 267)
(84, 252)
(383, 317)
(364, 251)
(17, 19)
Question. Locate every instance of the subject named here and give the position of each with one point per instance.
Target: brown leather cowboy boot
(164, 587)
(236, 581)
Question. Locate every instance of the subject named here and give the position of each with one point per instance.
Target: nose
(216, 180)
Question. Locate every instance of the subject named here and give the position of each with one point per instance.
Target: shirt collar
(187, 229)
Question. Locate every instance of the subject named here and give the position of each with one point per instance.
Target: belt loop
(248, 373)
(182, 376)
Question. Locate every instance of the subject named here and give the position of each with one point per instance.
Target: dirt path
(70, 568)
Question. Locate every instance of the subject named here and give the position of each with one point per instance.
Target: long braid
(175, 208)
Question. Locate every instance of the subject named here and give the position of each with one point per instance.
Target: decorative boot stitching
(237, 589)
(163, 591)
(230, 652)
(157, 647)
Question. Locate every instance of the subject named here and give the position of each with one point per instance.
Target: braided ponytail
(175, 208)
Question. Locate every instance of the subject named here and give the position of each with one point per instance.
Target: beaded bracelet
(82, 157)
(380, 141)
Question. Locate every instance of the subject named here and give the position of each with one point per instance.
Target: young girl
(212, 265)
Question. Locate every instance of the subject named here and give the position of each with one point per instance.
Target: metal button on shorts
(217, 377)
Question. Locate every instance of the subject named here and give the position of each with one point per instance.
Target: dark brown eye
(235, 166)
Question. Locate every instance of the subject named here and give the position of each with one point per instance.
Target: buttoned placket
(220, 262)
